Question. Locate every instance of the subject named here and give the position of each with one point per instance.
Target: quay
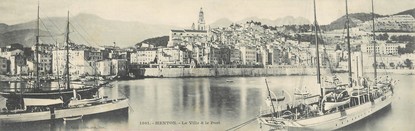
(233, 72)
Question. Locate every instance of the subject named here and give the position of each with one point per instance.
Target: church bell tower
(201, 22)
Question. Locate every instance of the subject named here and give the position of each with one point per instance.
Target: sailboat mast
(270, 98)
(374, 43)
(316, 41)
(67, 55)
(37, 48)
(349, 61)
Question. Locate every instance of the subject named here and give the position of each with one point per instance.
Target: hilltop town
(240, 45)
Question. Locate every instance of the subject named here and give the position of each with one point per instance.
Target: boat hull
(65, 113)
(335, 120)
(72, 118)
(85, 93)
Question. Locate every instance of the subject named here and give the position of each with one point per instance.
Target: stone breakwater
(224, 72)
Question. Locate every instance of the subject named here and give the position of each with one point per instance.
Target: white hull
(72, 118)
(335, 120)
(64, 113)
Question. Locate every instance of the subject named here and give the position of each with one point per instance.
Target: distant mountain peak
(222, 22)
(87, 16)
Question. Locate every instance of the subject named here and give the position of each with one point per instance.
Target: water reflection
(212, 99)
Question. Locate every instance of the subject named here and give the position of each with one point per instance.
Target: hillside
(355, 18)
(156, 41)
(407, 12)
(85, 29)
(288, 20)
(26, 37)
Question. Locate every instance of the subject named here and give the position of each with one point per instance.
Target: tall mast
(37, 48)
(317, 47)
(67, 55)
(316, 41)
(349, 60)
(374, 42)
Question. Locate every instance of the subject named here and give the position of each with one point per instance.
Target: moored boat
(72, 118)
(68, 103)
(85, 92)
(51, 109)
(337, 106)
(38, 89)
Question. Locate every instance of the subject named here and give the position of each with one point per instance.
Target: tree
(408, 63)
(410, 47)
(392, 65)
(401, 50)
(384, 36)
(382, 65)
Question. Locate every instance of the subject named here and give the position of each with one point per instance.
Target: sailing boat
(338, 107)
(39, 109)
(84, 92)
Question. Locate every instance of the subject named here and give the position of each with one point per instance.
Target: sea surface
(214, 104)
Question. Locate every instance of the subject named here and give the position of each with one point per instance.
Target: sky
(185, 12)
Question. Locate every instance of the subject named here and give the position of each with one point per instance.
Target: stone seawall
(217, 72)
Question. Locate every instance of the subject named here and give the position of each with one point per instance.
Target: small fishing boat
(72, 118)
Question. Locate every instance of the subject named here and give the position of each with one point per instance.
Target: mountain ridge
(85, 28)
(356, 18)
(97, 31)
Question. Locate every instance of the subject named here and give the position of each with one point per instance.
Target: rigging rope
(79, 33)
(241, 125)
(53, 23)
(325, 55)
(53, 38)
(87, 34)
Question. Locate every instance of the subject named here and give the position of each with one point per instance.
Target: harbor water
(213, 104)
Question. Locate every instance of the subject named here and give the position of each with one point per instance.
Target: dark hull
(85, 93)
(105, 108)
